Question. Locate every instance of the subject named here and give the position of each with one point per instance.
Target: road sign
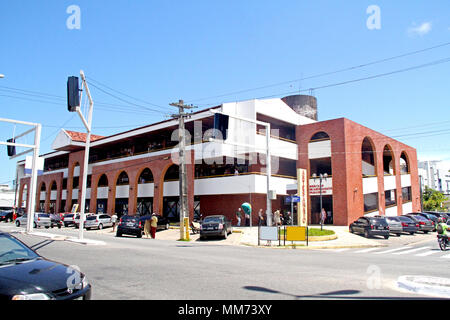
(292, 199)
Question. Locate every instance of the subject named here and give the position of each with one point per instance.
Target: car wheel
(386, 237)
(100, 226)
(351, 230)
(397, 234)
(118, 234)
(17, 223)
(139, 235)
(167, 226)
(412, 233)
(225, 235)
(366, 234)
(425, 232)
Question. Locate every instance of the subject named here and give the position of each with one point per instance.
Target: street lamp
(321, 177)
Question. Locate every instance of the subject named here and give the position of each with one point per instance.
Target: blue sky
(162, 51)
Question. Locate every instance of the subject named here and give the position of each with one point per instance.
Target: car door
(106, 220)
(359, 225)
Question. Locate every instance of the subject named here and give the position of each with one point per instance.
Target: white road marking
(392, 250)
(428, 253)
(447, 256)
(413, 250)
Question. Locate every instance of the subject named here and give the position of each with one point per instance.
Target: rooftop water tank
(304, 105)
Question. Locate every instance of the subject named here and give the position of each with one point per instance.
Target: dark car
(217, 225)
(431, 217)
(371, 226)
(442, 215)
(25, 275)
(408, 224)
(425, 225)
(134, 225)
(55, 220)
(6, 215)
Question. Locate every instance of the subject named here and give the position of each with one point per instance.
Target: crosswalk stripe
(428, 253)
(392, 250)
(366, 250)
(413, 250)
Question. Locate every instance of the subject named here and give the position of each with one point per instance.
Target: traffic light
(221, 124)
(11, 149)
(73, 94)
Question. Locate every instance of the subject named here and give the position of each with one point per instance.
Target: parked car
(431, 217)
(425, 225)
(25, 275)
(443, 215)
(408, 224)
(6, 215)
(395, 226)
(68, 219)
(55, 220)
(130, 225)
(40, 220)
(77, 218)
(217, 225)
(371, 226)
(98, 221)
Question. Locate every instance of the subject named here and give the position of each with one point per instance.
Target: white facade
(435, 175)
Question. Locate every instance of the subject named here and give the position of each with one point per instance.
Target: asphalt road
(129, 268)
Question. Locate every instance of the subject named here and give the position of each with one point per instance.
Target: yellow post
(186, 226)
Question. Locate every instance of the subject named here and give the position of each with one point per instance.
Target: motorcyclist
(444, 226)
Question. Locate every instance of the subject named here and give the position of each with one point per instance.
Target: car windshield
(213, 220)
(68, 216)
(129, 219)
(421, 218)
(12, 251)
(405, 219)
(91, 218)
(378, 220)
(43, 215)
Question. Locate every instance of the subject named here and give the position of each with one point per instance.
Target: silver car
(98, 221)
(40, 220)
(395, 225)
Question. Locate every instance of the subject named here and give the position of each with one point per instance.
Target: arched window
(404, 164)
(43, 187)
(103, 181)
(368, 158)
(320, 136)
(172, 173)
(54, 186)
(146, 176)
(388, 161)
(123, 179)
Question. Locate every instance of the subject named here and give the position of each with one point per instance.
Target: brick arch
(394, 158)
(38, 196)
(407, 160)
(21, 190)
(135, 184)
(374, 152)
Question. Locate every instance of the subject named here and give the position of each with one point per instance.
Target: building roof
(81, 137)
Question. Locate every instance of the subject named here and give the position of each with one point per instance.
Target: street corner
(425, 285)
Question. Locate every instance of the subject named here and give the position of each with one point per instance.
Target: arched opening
(171, 203)
(368, 158)
(122, 194)
(53, 196)
(145, 193)
(388, 161)
(320, 170)
(42, 196)
(102, 194)
(404, 164)
(23, 204)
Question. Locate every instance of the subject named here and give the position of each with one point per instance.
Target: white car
(40, 220)
(98, 221)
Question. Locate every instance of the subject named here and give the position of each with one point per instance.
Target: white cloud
(420, 30)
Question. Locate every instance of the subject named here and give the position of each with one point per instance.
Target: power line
(324, 74)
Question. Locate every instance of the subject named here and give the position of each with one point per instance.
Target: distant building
(6, 197)
(435, 174)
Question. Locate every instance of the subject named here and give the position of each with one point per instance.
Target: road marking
(413, 250)
(429, 253)
(367, 250)
(447, 256)
(392, 250)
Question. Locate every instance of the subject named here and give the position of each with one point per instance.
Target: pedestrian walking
(323, 216)
(114, 221)
(238, 217)
(247, 219)
(147, 228)
(153, 226)
(260, 218)
(277, 219)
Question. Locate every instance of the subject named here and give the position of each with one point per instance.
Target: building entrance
(327, 204)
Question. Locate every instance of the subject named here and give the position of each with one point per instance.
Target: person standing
(153, 226)
(238, 217)
(247, 219)
(114, 221)
(260, 218)
(147, 228)
(276, 218)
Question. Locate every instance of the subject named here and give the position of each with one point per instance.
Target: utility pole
(182, 165)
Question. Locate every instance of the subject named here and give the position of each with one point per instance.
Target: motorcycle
(443, 242)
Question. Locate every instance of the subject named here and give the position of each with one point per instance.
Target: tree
(433, 200)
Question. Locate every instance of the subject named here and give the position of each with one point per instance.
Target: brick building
(136, 172)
